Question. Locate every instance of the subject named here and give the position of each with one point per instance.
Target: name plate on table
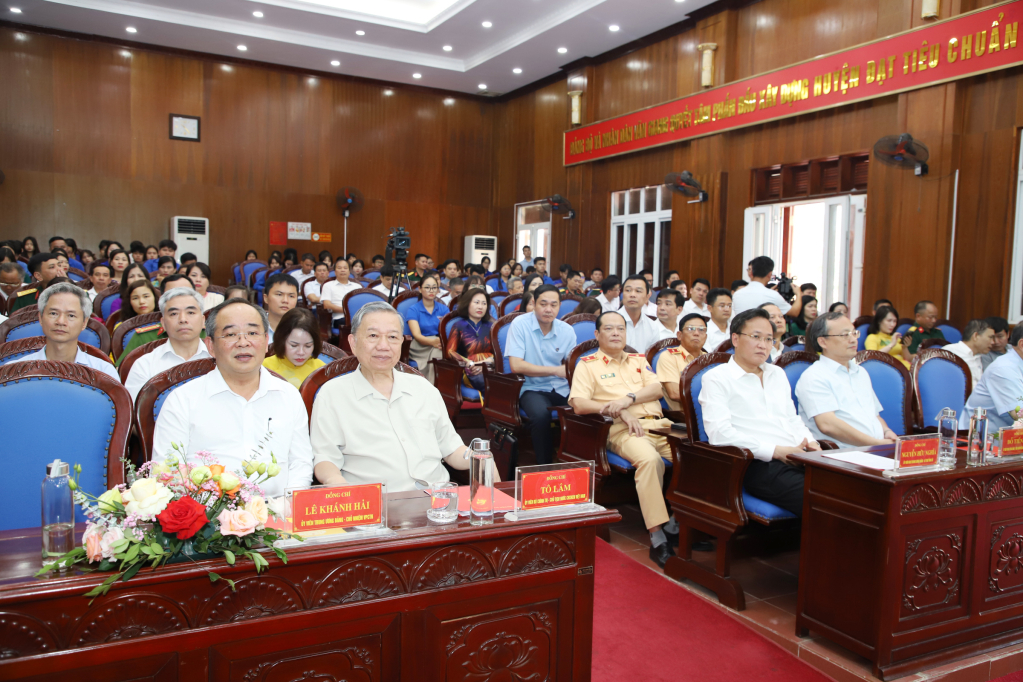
(1010, 445)
(348, 512)
(555, 490)
(915, 455)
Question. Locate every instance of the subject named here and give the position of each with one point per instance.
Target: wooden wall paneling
(640, 79)
(360, 143)
(236, 126)
(722, 30)
(238, 222)
(299, 131)
(27, 204)
(26, 107)
(467, 129)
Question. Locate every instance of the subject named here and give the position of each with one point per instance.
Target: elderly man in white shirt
(756, 292)
(835, 396)
(239, 412)
(719, 301)
(640, 331)
(978, 337)
(64, 311)
(377, 424)
(748, 403)
(183, 323)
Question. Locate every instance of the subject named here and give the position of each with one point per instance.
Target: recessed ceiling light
(680, 0)
(448, 48)
(613, 28)
(242, 48)
(125, 53)
(131, 29)
(417, 75)
(482, 86)
(516, 70)
(258, 15)
(562, 50)
(335, 63)
(225, 67)
(388, 92)
(487, 24)
(16, 10)
(360, 33)
(449, 101)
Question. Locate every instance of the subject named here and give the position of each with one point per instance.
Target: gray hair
(514, 280)
(819, 328)
(179, 291)
(369, 309)
(67, 288)
(211, 319)
(975, 327)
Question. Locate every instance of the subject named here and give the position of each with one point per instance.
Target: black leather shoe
(660, 554)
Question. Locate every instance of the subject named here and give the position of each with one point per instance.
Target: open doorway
(533, 229)
(814, 241)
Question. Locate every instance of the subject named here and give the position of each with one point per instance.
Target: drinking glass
(443, 502)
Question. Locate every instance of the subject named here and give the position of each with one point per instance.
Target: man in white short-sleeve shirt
(835, 396)
(978, 337)
(640, 331)
(756, 292)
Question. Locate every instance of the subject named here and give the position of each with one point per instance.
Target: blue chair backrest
(493, 311)
(795, 346)
(584, 330)
(327, 382)
(512, 307)
(15, 356)
(861, 343)
(696, 385)
(793, 371)
(74, 277)
(952, 335)
(449, 325)
(941, 384)
(657, 358)
(326, 358)
(357, 299)
(257, 284)
(106, 305)
(236, 271)
(371, 275)
(890, 388)
(124, 342)
(26, 330)
(403, 307)
(586, 354)
(903, 328)
(88, 416)
(160, 399)
(502, 342)
(90, 337)
(248, 268)
(567, 307)
(498, 296)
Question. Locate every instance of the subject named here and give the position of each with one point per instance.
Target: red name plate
(920, 452)
(326, 508)
(555, 488)
(1012, 443)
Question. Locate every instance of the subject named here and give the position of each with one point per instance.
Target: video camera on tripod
(396, 256)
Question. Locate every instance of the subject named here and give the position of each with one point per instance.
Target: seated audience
(978, 337)
(883, 302)
(738, 284)
(839, 308)
(998, 344)
(469, 339)
(333, 293)
(99, 275)
(748, 403)
(641, 332)
(62, 261)
(237, 291)
(43, 267)
(881, 334)
(423, 319)
(380, 425)
(378, 261)
(64, 311)
(540, 263)
(536, 346)
(514, 286)
(183, 327)
(187, 259)
(138, 298)
(669, 306)
(926, 316)
(574, 283)
(308, 264)
(621, 386)
(455, 289)
(29, 247)
(692, 335)
(165, 266)
(779, 323)
(239, 411)
(1000, 388)
(697, 302)
(251, 255)
(719, 302)
(527, 303)
(799, 323)
(835, 395)
(450, 269)
(504, 281)
(681, 287)
(154, 330)
(327, 259)
(386, 281)
(596, 277)
(281, 295)
(759, 271)
(358, 268)
(152, 253)
(295, 349)
(68, 247)
(588, 306)
(88, 258)
(200, 275)
(11, 279)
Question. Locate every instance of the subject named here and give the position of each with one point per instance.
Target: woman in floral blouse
(469, 338)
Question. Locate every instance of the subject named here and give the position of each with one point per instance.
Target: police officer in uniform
(621, 385)
(43, 267)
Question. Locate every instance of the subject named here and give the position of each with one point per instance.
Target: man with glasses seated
(747, 402)
(836, 398)
(239, 411)
(64, 310)
(692, 335)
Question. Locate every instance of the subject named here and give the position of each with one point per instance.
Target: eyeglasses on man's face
(759, 338)
(234, 337)
(854, 334)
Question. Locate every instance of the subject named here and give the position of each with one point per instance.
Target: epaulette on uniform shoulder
(589, 358)
(26, 292)
(147, 328)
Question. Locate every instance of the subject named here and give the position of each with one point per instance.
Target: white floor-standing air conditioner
(192, 235)
(479, 245)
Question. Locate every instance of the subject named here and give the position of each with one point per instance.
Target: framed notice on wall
(300, 231)
(184, 127)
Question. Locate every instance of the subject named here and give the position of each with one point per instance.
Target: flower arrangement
(174, 510)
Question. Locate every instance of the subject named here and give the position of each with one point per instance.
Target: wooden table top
(820, 459)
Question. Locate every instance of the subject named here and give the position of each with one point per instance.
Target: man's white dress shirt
(973, 361)
(755, 294)
(643, 334)
(206, 415)
(156, 361)
(335, 292)
(606, 305)
(665, 333)
(738, 410)
(301, 278)
(827, 386)
(81, 358)
(691, 306)
(715, 337)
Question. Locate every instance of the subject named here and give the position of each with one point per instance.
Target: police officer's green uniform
(145, 334)
(916, 335)
(25, 298)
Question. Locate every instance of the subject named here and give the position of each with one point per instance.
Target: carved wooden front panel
(933, 572)
(517, 645)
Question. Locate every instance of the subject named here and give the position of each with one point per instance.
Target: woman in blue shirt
(423, 320)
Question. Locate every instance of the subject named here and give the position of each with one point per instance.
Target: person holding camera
(756, 292)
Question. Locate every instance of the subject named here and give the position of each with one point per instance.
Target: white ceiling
(401, 37)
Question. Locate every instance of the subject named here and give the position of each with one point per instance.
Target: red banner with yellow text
(962, 46)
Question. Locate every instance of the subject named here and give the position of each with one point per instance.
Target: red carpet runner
(646, 628)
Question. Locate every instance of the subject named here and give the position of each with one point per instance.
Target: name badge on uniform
(607, 376)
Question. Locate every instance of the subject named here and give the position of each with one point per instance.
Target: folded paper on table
(503, 502)
(864, 459)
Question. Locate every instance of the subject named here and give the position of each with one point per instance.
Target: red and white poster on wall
(278, 233)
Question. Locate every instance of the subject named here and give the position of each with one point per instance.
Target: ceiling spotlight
(449, 101)
(360, 33)
(516, 70)
(482, 86)
(417, 75)
(447, 48)
(613, 28)
(242, 48)
(388, 92)
(125, 53)
(258, 15)
(335, 63)
(131, 29)
(680, 0)
(16, 10)
(487, 24)
(562, 50)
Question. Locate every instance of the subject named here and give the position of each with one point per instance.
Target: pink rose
(238, 522)
(92, 541)
(106, 543)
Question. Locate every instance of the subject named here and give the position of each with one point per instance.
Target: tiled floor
(770, 582)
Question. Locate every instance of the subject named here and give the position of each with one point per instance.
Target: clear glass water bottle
(978, 437)
(481, 482)
(58, 512)
(948, 427)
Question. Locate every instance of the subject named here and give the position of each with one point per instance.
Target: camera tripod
(400, 276)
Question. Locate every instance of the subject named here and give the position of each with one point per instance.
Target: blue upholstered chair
(315, 381)
(584, 325)
(26, 325)
(892, 385)
(940, 379)
(497, 297)
(126, 330)
(510, 304)
(353, 301)
(13, 350)
(568, 305)
(795, 363)
(76, 275)
(653, 356)
(236, 273)
(861, 343)
(793, 343)
(246, 270)
(103, 304)
(371, 274)
(91, 429)
(151, 398)
(904, 325)
(464, 403)
(329, 353)
(949, 331)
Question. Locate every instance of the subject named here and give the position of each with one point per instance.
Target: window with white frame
(641, 231)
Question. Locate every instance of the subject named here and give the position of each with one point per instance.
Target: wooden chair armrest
(406, 349)
(827, 444)
(706, 482)
(676, 416)
(448, 380)
(584, 438)
(502, 392)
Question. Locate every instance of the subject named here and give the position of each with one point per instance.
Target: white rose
(106, 543)
(257, 507)
(148, 498)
